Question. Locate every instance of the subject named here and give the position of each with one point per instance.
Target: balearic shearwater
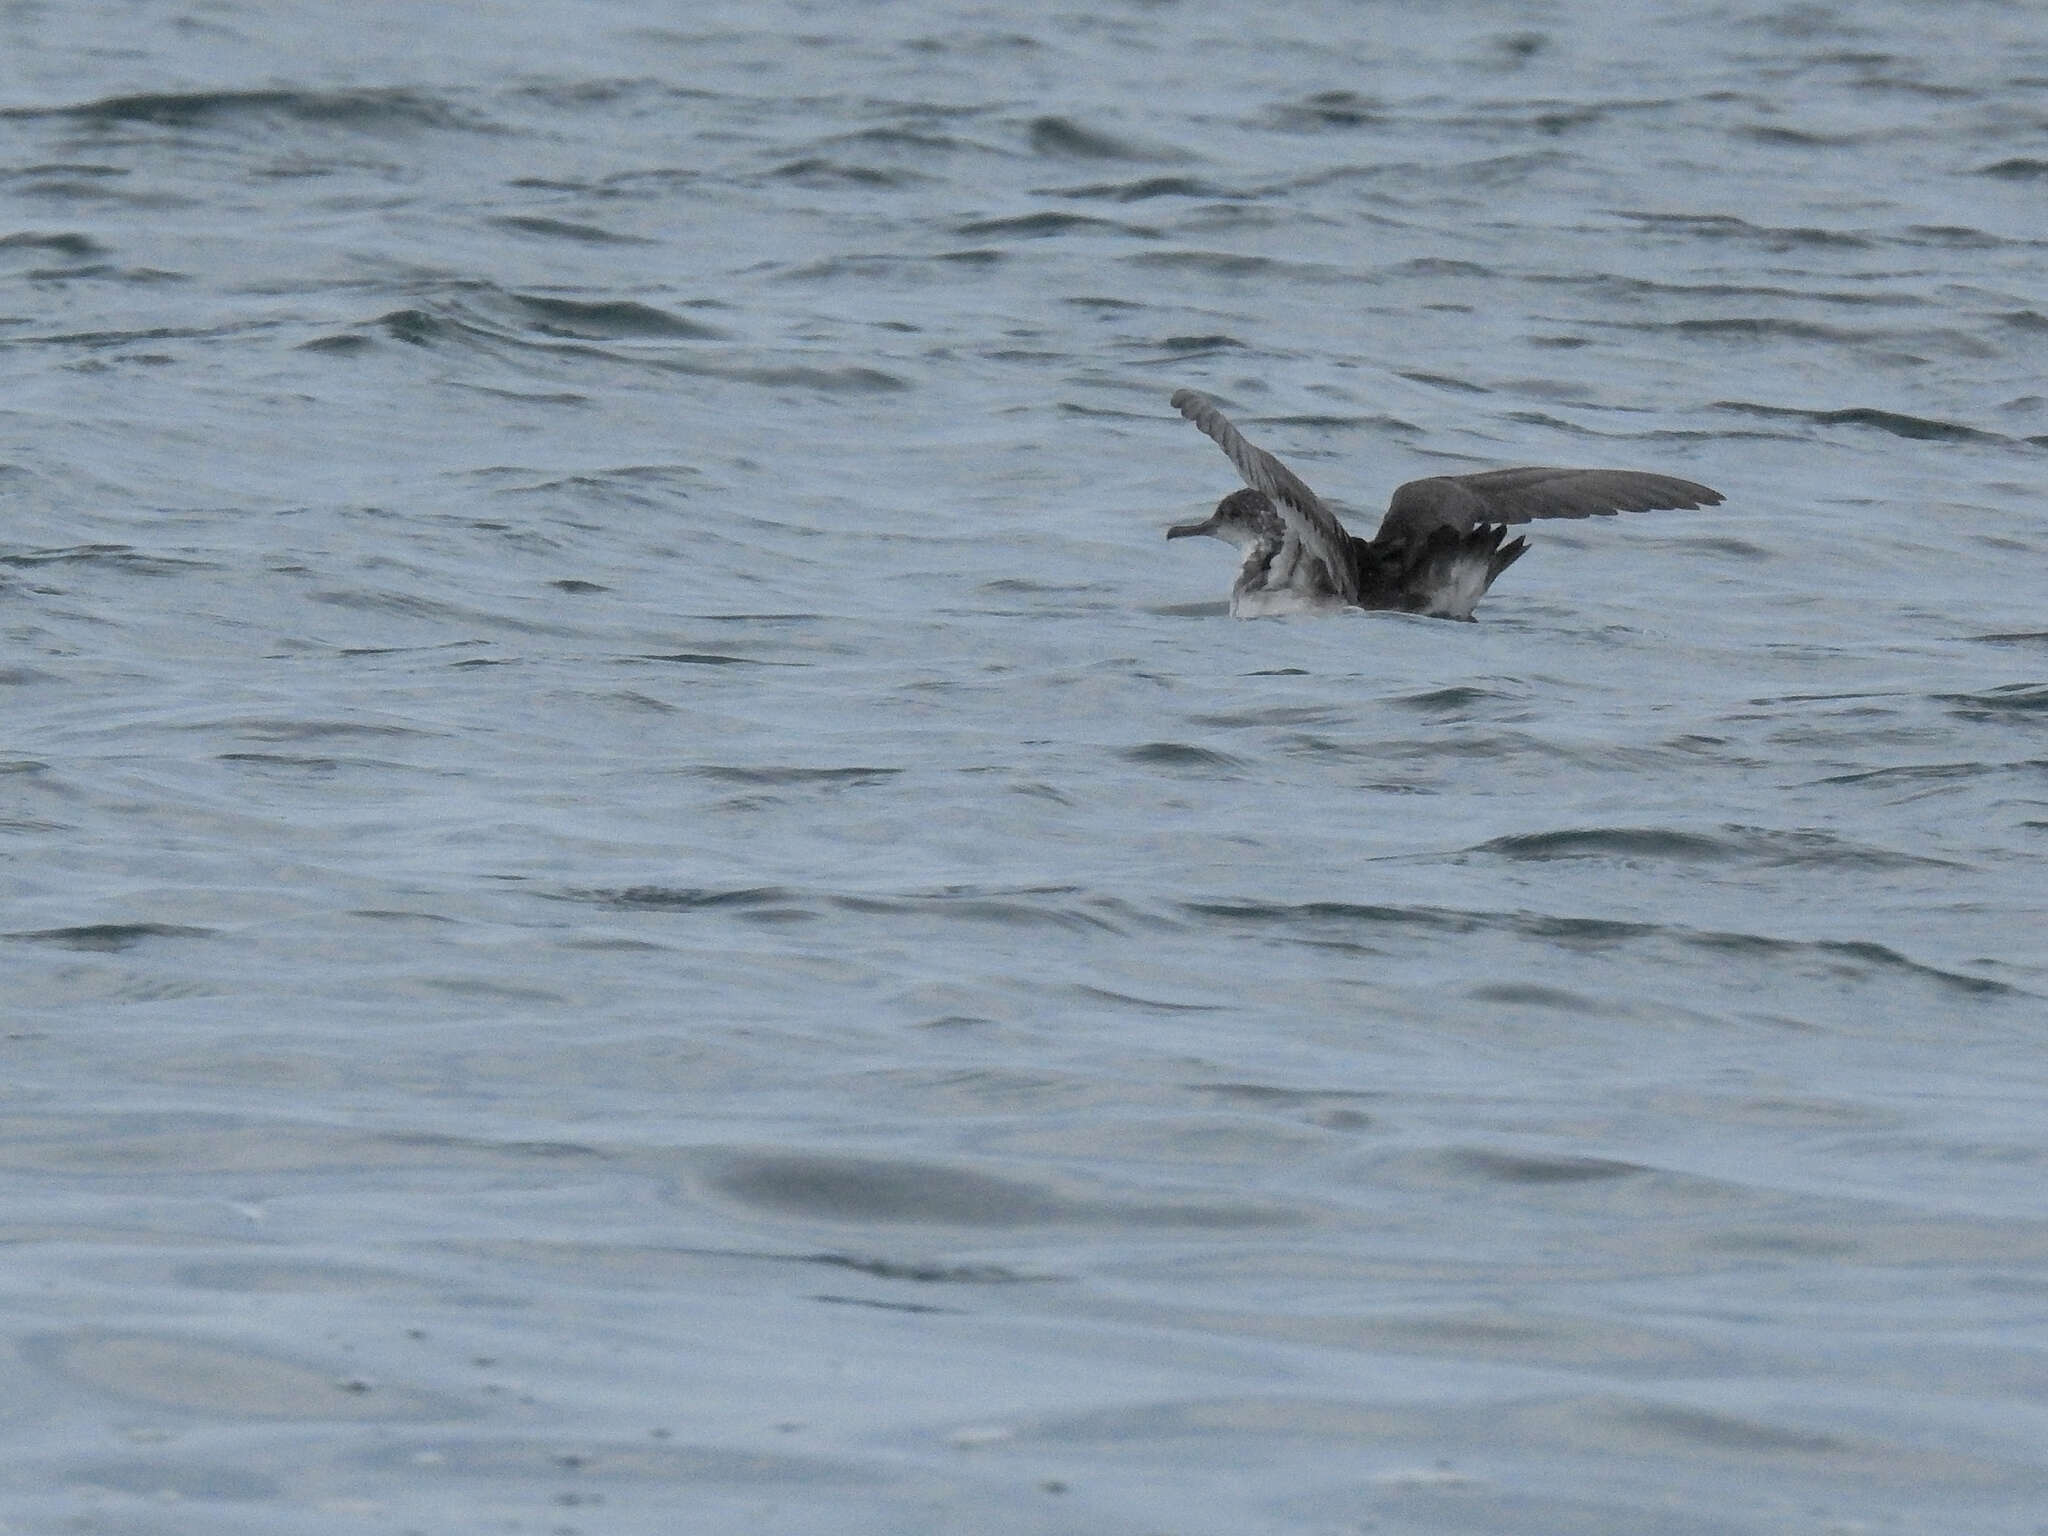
(1438, 548)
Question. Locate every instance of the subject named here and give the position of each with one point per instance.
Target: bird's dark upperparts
(1437, 550)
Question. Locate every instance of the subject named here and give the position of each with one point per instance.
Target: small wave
(911, 140)
(108, 938)
(1222, 263)
(792, 776)
(1319, 923)
(1457, 699)
(871, 266)
(871, 1191)
(1725, 226)
(602, 92)
(851, 380)
(120, 557)
(1731, 844)
(62, 243)
(1852, 958)
(1175, 754)
(296, 762)
(627, 485)
(926, 1272)
(666, 898)
(1279, 714)
(258, 728)
(1531, 1168)
(1312, 916)
(1026, 586)
(1500, 171)
(1063, 138)
(625, 319)
(1418, 178)
(2020, 168)
(755, 618)
(1049, 907)
(1039, 226)
(1551, 423)
(1956, 237)
(707, 659)
(1180, 349)
(1439, 266)
(104, 272)
(921, 1308)
(1329, 109)
(343, 344)
(1144, 1004)
(1628, 289)
(83, 170)
(367, 109)
(416, 327)
(1764, 327)
(565, 229)
(1778, 137)
(1529, 994)
(1899, 425)
(1405, 182)
(1608, 842)
(1998, 703)
(1924, 773)
(818, 171)
(1233, 264)
(1445, 382)
(410, 605)
(1145, 188)
(94, 184)
(1738, 549)
(610, 318)
(1069, 906)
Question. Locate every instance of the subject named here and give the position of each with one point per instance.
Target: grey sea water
(639, 897)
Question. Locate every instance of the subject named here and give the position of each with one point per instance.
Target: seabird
(1438, 548)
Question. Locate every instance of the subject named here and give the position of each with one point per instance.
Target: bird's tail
(1457, 568)
(1504, 555)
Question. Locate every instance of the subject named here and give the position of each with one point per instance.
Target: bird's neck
(1257, 564)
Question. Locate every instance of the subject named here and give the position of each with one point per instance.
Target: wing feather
(1314, 524)
(1464, 502)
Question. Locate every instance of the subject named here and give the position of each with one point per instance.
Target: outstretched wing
(1314, 524)
(1464, 502)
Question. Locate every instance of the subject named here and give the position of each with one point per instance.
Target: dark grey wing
(1314, 524)
(1464, 502)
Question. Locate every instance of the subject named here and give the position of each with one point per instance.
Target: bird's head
(1246, 519)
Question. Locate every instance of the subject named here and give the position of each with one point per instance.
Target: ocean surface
(639, 897)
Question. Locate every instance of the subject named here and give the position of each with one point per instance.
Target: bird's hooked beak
(1191, 530)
